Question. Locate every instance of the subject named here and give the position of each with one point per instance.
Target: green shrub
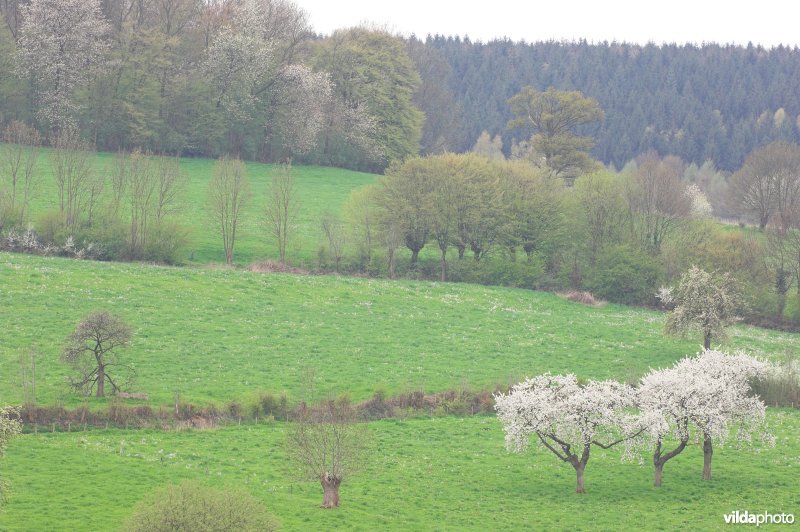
(191, 506)
(625, 275)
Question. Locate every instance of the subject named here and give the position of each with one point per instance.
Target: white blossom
(61, 44)
(566, 417)
(701, 207)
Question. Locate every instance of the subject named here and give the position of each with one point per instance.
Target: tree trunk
(414, 257)
(659, 474)
(707, 340)
(101, 381)
(330, 487)
(444, 265)
(461, 249)
(708, 451)
(579, 471)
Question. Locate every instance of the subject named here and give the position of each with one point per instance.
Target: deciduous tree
(554, 116)
(92, 351)
(703, 302)
(61, 44)
(328, 444)
(10, 426)
(18, 158)
(281, 207)
(228, 193)
(567, 418)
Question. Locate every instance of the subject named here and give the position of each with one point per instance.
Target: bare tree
(361, 216)
(72, 169)
(18, 158)
(170, 184)
(142, 188)
(657, 200)
(334, 233)
(92, 351)
(768, 184)
(282, 207)
(329, 445)
(228, 193)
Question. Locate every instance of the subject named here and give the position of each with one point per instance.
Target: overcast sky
(765, 22)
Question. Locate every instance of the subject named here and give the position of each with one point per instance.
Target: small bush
(781, 387)
(192, 506)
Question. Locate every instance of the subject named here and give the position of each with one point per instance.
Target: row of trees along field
(250, 78)
(462, 217)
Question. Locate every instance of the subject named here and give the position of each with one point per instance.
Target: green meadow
(214, 335)
(424, 474)
(318, 189)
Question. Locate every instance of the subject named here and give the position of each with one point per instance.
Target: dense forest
(250, 78)
(708, 102)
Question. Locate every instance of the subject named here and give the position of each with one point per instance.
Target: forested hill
(699, 102)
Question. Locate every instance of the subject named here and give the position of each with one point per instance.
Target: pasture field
(425, 474)
(214, 335)
(318, 189)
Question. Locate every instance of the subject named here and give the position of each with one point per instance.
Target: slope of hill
(318, 189)
(217, 335)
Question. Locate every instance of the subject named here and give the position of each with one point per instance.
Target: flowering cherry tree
(725, 404)
(567, 418)
(705, 398)
(10, 426)
(704, 302)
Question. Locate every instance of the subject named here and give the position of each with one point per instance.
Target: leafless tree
(228, 193)
(768, 184)
(282, 207)
(329, 445)
(18, 158)
(142, 188)
(335, 235)
(657, 200)
(72, 168)
(92, 351)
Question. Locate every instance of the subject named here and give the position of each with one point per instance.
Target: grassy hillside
(426, 474)
(318, 189)
(216, 335)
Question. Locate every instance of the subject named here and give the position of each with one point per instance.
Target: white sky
(765, 22)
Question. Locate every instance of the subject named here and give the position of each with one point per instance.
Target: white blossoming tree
(567, 418)
(62, 43)
(702, 398)
(10, 426)
(722, 382)
(704, 302)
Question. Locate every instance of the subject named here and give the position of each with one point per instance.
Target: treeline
(710, 102)
(619, 235)
(246, 78)
(249, 78)
(127, 210)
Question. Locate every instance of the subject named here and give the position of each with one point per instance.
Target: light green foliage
(553, 116)
(194, 507)
(372, 68)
